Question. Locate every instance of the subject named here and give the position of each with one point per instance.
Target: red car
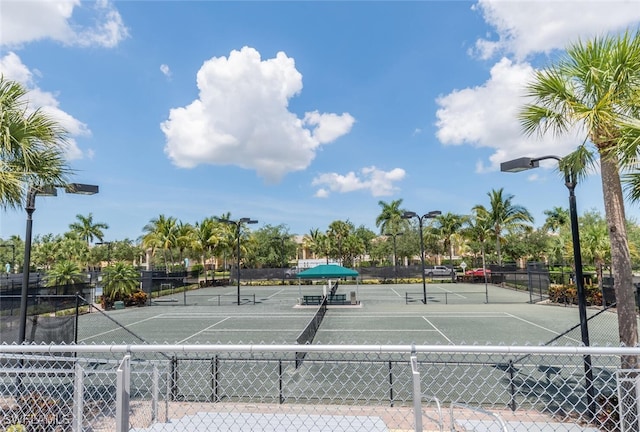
(478, 272)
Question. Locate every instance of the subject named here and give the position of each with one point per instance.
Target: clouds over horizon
(377, 182)
(12, 68)
(30, 21)
(241, 118)
(486, 115)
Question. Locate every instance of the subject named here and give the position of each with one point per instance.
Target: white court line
(380, 330)
(541, 327)
(275, 294)
(398, 294)
(116, 329)
(451, 292)
(436, 329)
(201, 331)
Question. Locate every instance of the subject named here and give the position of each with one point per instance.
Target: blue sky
(294, 113)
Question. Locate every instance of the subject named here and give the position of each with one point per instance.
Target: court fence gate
(154, 388)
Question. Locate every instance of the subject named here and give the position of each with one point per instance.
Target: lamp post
(430, 215)
(282, 253)
(238, 223)
(32, 192)
(395, 255)
(570, 181)
(108, 245)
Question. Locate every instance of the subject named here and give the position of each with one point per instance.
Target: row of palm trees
(593, 89)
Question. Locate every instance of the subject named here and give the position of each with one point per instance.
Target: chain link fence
(153, 388)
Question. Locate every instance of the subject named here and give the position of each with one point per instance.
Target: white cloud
(241, 118)
(27, 21)
(12, 68)
(165, 70)
(486, 116)
(526, 27)
(378, 182)
(321, 193)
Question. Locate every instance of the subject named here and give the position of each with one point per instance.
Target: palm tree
(120, 281)
(160, 233)
(448, 225)
(206, 238)
(478, 228)
(557, 218)
(594, 87)
(32, 146)
(87, 229)
(390, 218)
(64, 273)
(503, 215)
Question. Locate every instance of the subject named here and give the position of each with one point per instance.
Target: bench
(338, 299)
(312, 299)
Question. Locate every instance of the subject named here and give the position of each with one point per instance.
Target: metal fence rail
(153, 388)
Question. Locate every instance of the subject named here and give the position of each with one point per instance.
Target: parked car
(291, 272)
(438, 270)
(478, 272)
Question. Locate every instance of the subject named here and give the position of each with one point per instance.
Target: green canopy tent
(327, 271)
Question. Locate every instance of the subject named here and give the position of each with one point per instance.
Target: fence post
(281, 395)
(174, 378)
(78, 398)
(391, 383)
(155, 391)
(75, 330)
(417, 392)
(123, 386)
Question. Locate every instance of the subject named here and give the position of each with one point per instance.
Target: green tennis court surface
(454, 314)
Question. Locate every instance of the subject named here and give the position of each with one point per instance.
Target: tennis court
(271, 314)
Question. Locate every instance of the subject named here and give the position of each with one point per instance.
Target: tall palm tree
(478, 228)
(448, 225)
(32, 146)
(390, 218)
(503, 215)
(594, 87)
(206, 238)
(557, 218)
(338, 233)
(160, 233)
(87, 229)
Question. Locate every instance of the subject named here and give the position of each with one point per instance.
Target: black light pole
(108, 245)
(570, 182)
(238, 223)
(430, 215)
(282, 253)
(395, 255)
(32, 192)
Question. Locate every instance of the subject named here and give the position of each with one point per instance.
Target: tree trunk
(623, 286)
(620, 258)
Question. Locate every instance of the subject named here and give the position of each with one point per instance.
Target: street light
(282, 254)
(430, 215)
(108, 245)
(570, 181)
(238, 223)
(32, 192)
(395, 255)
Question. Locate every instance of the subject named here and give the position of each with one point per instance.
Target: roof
(325, 271)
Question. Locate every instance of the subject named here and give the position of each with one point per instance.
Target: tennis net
(309, 332)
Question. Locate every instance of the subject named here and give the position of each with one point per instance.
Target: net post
(417, 392)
